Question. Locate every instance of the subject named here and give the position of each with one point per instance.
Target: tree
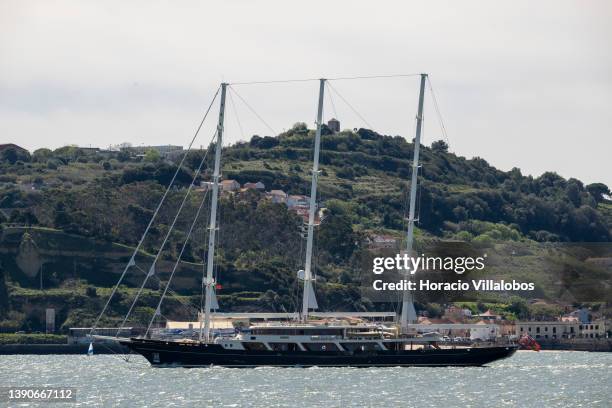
(266, 142)
(194, 158)
(336, 234)
(26, 217)
(434, 310)
(439, 146)
(460, 213)
(67, 153)
(139, 215)
(13, 154)
(62, 216)
(91, 292)
(53, 164)
(41, 155)
(520, 309)
(152, 156)
(346, 173)
(123, 155)
(299, 127)
(598, 190)
(573, 193)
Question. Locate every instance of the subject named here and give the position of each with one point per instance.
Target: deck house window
(320, 346)
(254, 346)
(356, 347)
(284, 346)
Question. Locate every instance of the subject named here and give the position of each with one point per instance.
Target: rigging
(132, 260)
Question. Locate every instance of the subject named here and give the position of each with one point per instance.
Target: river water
(528, 379)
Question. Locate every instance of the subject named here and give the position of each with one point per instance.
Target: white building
(206, 185)
(381, 241)
(163, 150)
(277, 196)
(298, 201)
(486, 332)
(230, 185)
(254, 186)
(562, 329)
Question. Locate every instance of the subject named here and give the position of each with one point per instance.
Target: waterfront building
(593, 330)
(486, 332)
(559, 329)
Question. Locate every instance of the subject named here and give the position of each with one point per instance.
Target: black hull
(173, 354)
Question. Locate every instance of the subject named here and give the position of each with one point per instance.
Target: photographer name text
(478, 285)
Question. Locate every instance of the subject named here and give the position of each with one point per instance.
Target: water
(528, 379)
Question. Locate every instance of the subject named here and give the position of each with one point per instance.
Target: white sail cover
(410, 311)
(214, 304)
(312, 299)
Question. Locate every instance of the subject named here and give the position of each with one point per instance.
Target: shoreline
(61, 349)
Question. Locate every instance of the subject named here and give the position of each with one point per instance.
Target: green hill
(79, 213)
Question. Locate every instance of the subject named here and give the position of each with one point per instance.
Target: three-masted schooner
(305, 342)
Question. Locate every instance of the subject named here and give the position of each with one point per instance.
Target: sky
(524, 84)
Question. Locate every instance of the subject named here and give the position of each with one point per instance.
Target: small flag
(218, 286)
(90, 350)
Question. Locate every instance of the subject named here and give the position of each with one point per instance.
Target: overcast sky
(523, 84)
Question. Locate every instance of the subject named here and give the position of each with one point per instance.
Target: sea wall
(577, 344)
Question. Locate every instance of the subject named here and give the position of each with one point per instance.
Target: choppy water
(528, 379)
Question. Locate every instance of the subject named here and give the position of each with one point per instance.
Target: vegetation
(85, 210)
(17, 338)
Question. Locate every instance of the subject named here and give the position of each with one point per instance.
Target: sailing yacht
(308, 342)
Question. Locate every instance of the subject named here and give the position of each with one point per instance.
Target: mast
(408, 315)
(212, 230)
(307, 302)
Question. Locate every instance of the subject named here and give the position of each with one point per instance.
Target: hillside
(77, 212)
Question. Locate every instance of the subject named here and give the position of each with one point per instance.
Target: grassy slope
(530, 265)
